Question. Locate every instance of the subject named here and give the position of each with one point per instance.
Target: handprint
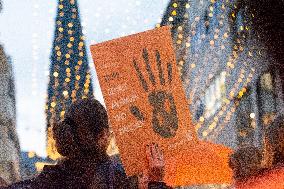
(164, 116)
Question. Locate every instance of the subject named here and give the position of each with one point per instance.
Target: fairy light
(203, 36)
(64, 69)
(182, 38)
(220, 38)
(229, 113)
(222, 125)
(252, 115)
(187, 6)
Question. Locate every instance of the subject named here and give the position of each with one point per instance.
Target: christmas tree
(69, 78)
(177, 17)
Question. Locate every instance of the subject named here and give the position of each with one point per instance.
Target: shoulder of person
(46, 179)
(27, 184)
(117, 167)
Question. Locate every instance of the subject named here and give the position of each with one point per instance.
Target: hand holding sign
(164, 116)
(156, 162)
(155, 171)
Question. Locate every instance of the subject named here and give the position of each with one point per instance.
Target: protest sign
(144, 95)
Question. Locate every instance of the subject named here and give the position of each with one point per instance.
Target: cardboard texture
(144, 96)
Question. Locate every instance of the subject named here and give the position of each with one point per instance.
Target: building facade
(9, 143)
(228, 72)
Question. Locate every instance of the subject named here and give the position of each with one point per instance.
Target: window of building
(206, 22)
(211, 17)
(266, 82)
(244, 118)
(195, 46)
(214, 95)
(240, 21)
(216, 12)
(266, 98)
(199, 109)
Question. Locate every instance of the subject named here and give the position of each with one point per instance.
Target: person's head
(245, 162)
(84, 130)
(276, 139)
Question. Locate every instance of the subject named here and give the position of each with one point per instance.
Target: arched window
(214, 95)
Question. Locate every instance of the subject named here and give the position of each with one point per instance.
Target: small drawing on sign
(164, 114)
(112, 76)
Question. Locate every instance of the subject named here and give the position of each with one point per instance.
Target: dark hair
(245, 161)
(274, 132)
(88, 113)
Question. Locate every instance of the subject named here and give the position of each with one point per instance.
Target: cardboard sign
(205, 163)
(144, 95)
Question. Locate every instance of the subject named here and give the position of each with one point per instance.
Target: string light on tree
(252, 115)
(69, 71)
